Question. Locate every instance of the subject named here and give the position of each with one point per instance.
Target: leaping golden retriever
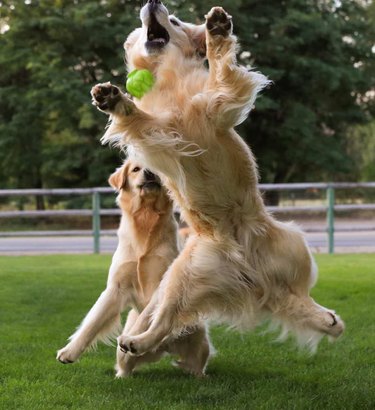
(240, 265)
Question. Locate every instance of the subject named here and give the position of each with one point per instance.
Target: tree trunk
(39, 201)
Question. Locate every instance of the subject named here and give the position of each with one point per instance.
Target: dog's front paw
(67, 355)
(127, 345)
(106, 96)
(219, 22)
(134, 345)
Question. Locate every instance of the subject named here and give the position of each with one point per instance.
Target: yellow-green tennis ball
(139, 82)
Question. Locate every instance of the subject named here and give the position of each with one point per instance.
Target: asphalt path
(344, 242)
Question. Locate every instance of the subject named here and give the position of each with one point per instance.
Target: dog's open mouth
(157, 35)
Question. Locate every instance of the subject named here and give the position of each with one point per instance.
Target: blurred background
(314, 124)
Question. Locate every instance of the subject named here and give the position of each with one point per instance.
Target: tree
(361, 148)
(317, 53)
(50, 57)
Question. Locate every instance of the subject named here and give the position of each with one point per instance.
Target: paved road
(344, 242)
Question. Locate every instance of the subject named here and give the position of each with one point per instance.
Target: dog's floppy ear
(119, 178)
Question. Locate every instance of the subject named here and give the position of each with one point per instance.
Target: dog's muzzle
(150, 181)
(157, 35)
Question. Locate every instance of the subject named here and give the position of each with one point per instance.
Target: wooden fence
(95, 212)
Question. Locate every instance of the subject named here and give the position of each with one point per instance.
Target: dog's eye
(136, 169)
(175, 22)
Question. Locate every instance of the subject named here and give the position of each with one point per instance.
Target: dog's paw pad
(219, 22)
(105, 96)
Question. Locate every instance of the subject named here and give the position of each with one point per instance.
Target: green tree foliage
(361, 148)
(52, 54)
(318, 54)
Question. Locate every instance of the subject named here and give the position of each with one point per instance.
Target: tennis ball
(139, 82)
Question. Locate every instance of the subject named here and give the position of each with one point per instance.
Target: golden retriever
(147, 246)
(239, 265)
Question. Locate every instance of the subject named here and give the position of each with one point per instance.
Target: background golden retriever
(147, 246)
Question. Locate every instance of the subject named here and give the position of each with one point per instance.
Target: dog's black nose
(149, 176)
(154, 6)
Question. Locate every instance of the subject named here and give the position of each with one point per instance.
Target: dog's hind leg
(127, 363)
(307, 320)
(193, 349)
(123, 366)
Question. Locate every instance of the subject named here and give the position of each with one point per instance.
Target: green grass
(43, 299)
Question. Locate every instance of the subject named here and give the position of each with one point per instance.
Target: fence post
(96, 220)
(331, 219)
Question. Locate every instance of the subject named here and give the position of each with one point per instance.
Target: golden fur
(147, 246)
(239, 265)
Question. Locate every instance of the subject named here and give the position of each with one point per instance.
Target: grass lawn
(43, 299)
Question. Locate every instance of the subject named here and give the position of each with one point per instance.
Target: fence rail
(96, 212)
